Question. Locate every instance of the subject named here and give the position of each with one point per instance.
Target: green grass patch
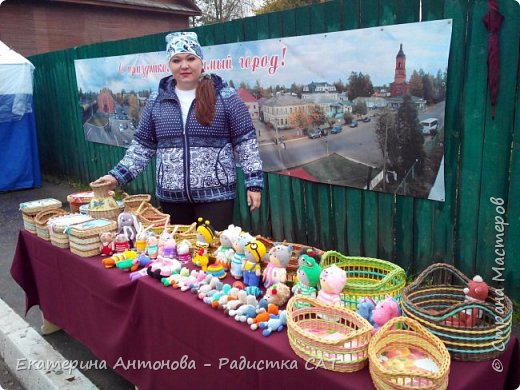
(335, 169)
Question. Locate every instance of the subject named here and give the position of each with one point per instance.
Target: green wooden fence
(482, 155)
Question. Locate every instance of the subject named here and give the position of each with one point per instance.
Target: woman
(195, 124)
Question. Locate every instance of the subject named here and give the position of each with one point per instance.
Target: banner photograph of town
(361, 108)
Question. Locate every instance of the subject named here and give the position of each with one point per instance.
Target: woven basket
(84, 237)
(292, 267)
(366, 277)
(410, 335)
(41, 219)
(436, 297)
(58, 228)
(182, 232)
(31, 208)
(103, 205)
(150, 216)
(329, 336)
(134, 202)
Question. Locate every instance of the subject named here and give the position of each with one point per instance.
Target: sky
(318, 57)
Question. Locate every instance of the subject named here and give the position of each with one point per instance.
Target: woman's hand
(107, 180)
(253, 200)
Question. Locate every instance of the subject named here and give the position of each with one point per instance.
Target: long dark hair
(205, 100)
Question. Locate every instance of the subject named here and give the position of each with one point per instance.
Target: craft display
(366, 277)
(133, 202)
(239, 246)
(404, 355)
(58, 228)
(128, 225)
(106, 244)
(224, 253)
(297, 250)
(31, 208)
(103, 205)
(340, 345)
(84, 238)
(254, 252)
(472, 329)
(42, 218)
(83, 209)
(276, 268)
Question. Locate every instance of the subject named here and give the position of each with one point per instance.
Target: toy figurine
(110, 262)
(205, 233)
(184, 251)
(169, 248)
(121, 243)
(225, 251)
(239, 246)
(254, 252)
(308, 277)
(477, 292)
(106, 245)
(128, 225)
(278, 294)
(275, 324)
(276, 270)
(332, 282)
(201, 259)
(365, 309)
(384, 312)
(152, 246)
(163, 267)
(140, 238)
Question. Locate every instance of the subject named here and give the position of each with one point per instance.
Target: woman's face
(186, 69)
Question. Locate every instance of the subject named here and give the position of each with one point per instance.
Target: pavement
(29, 360)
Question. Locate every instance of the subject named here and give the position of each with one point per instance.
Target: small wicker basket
(134, 202)
(366, 277)
(182, 232)
(436, 298)
(58, 228)
(103, 205)
(409, 335)
(150, 216)
(330, 336)
(84, 237)
(31, 208)
(41, 219)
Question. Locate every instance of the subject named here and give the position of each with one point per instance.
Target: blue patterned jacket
(197, 165)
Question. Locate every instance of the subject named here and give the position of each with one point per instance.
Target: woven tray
(331, 336)
(437, 296)
(150, 216)
(292, 267)
(366, 277)
(409, 335)
(133, 202)
(41, 219)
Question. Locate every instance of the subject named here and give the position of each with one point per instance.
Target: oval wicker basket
(41, 219)
(410, 334)
(328, 336)
(366, 277)
(150, 216)
(436, 298)
(133, 202)
(292, 267)
(31, 208)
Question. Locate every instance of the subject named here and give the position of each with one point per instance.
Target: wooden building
(39, 26)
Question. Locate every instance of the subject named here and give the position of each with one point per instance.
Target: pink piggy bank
(385, 311)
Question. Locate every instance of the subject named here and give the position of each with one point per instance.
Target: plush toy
(121, 243)
(308, 277)
(163, 267)
(477, 291)
(365, 309)
(332, 282)
(225, 251)
(196, 277)
(275, 324)
(239, 245)
(106, 245)
(263, 313)
(169, 248)
(205, 233)
(385, 311)
(254, 252)
(176, 279)
(110, 262)
(184, 251)
(135, 263)
(128, 225)
(276, 270)
(201, 258)
(152, 246)
(278, 294)
(140, 237)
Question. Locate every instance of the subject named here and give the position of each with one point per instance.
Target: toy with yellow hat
(255, 251)
(205, 236)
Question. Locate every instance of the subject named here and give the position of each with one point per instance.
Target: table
(128, 324)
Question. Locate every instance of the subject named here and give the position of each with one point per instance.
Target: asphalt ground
(10, 224)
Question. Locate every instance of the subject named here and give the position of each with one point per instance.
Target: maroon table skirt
(158, 337)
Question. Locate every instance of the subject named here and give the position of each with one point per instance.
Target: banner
(361, 108)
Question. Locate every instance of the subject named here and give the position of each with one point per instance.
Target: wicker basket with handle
(42, 218)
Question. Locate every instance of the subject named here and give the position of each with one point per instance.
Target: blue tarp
(19, 160)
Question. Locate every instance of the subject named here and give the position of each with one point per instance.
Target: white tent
(19, 157)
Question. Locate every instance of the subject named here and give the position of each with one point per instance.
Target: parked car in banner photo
(353, 124)
(314, 133)
(336, 129)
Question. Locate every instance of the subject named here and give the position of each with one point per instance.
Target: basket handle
(434, 267)
(139, 209)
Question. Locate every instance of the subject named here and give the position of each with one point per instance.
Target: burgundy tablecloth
(144, 323)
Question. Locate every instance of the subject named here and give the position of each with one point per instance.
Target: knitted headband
(183, 42)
